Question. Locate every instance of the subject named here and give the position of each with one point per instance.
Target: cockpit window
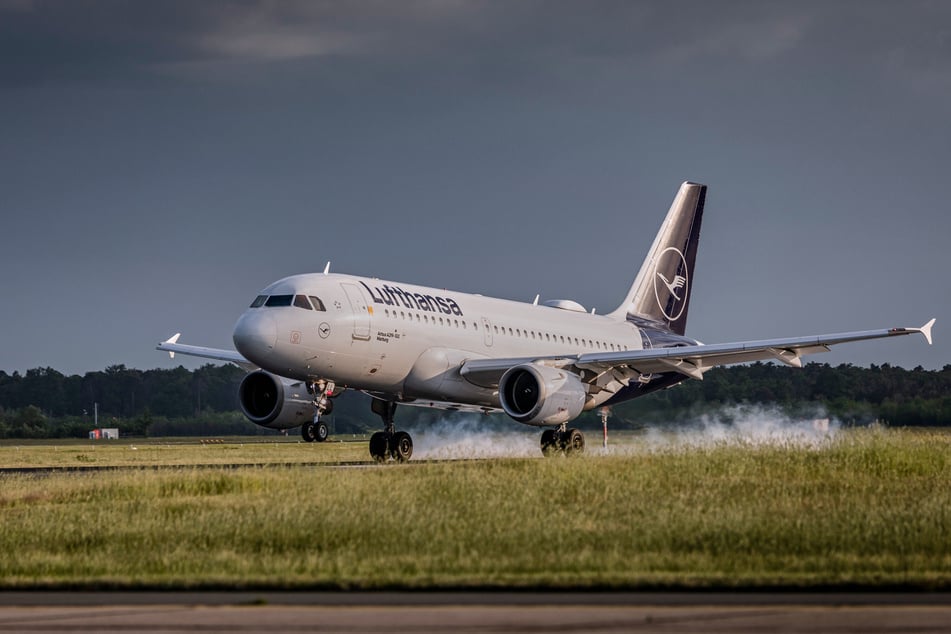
(279, 300)
(300, 301)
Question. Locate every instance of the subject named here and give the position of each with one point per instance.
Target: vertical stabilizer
(661, 291)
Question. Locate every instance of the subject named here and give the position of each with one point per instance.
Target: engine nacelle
(541, 395)
(272, 401)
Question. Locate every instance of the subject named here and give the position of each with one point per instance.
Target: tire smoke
(466, 436)
(469, 436)
(752, 425)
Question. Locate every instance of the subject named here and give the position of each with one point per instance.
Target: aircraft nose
(255, 335)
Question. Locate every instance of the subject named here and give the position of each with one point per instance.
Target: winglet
(172, 339)
(926, 330)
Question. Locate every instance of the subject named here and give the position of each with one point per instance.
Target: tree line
(45, 403)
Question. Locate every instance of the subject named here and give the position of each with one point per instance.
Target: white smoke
(750, 425)
(464, 436)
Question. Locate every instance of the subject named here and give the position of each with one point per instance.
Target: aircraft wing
(447, 406)
(171, 346)
(691, 361)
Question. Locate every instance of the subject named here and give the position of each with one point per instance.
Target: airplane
(307, 338)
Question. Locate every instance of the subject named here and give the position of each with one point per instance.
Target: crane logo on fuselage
(396, 296)
(671, 283)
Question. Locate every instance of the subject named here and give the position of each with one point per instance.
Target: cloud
(43, 40)
(749, 39)
(17, 5)
(266, 31)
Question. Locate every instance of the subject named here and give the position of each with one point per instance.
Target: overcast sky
(161, 162)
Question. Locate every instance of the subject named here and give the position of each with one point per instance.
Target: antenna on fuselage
(327, 268)
(537, 297)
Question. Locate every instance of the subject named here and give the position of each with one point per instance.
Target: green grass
(176, 452)
(869, 508)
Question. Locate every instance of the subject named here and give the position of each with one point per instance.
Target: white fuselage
(408, 341)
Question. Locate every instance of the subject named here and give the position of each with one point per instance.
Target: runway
(473, 612)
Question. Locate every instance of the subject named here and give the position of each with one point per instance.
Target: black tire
(308, 432)
(573, 442)
(401, 446)
(322, 432)
(378, 446)
(549, 443)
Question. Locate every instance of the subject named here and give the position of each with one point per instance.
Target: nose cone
(255, 335)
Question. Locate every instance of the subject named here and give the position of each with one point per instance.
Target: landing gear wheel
(321, 431)
(401, 446)
(573, 442)
(550, 445)
(378, 446)
(308, 432)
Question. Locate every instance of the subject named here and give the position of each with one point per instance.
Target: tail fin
(660, 294)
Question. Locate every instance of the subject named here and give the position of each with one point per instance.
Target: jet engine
(272, 401)
(541, 395)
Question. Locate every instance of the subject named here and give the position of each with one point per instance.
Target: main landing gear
(317, 430)
(389, 443)
(562, 440)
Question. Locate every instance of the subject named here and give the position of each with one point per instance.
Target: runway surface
(473, 612)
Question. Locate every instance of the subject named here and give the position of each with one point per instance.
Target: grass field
(176, 452)
(864, 509)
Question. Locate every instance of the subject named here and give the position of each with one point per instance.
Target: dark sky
(161, 162)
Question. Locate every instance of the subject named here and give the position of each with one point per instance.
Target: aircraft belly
(435, 375)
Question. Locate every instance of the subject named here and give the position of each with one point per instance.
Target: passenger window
(259, 301)
(318, 305)
(301, 301)
(279, 300)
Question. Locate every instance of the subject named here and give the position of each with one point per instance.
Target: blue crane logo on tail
(671, 276)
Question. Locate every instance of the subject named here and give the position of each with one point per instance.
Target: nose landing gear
(317, 430)
(389, 443)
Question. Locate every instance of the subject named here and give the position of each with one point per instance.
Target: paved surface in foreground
(472, 612)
